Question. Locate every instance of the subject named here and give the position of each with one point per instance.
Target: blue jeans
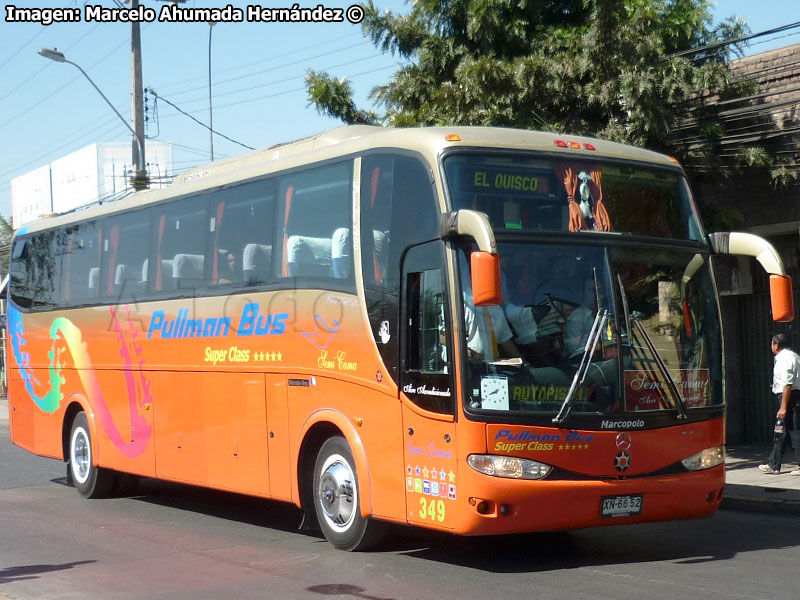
(791, 432)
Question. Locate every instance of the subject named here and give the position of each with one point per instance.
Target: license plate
(620, 506)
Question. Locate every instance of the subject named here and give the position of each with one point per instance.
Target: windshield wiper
(586, 360)
(625, 307)
(662, 367)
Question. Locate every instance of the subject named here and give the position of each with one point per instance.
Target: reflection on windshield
(674, 320)
(565, 340)
(518, 191)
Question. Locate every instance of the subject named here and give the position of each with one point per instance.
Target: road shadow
(718, 538)
(249, 510)
(29, 572)
(343, 589)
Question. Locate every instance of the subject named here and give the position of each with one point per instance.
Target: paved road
(176, 542)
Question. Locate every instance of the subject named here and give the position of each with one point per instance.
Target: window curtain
(162, 222)
(376, 266)
(568, 173)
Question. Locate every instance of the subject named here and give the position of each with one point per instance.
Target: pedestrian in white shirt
(786, 387)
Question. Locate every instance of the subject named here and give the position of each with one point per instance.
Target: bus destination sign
(501, 181)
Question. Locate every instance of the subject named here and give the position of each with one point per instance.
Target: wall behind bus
(31, 195)
(751, 201)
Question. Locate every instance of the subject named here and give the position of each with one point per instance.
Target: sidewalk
(746, 487)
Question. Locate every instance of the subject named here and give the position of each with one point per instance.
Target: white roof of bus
(429, 141)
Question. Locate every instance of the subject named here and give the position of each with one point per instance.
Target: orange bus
(475, 330)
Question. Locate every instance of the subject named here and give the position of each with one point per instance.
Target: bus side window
(316, 217)
(427, 347)
(398, 210)
(125, 242)
(44, 261)
(376, 206)
(33, 271)
(427, 374)
(180, 234)
(242, 230)
(81, 264)
(21, 284)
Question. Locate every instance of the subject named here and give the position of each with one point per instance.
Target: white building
(100, 172)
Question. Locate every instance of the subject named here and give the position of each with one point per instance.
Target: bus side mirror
(486, 288)
(780, 292)
(747, 244)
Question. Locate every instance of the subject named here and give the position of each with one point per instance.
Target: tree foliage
(334, 98)
(643, 72)
(6, 233)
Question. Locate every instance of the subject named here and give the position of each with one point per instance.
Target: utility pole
(140, 179)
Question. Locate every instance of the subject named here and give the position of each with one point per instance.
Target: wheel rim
(80, 455)
(336, 492)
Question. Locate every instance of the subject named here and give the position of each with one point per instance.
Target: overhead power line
(249, 75)
(743, 38)
(49, 95)
(298, 90)
(777, 37)
(33, 161)
(82, 133)
(274, 57)
(197, 121)
(26, 44)
(301, 76)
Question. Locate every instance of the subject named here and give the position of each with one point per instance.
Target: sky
(48, 109)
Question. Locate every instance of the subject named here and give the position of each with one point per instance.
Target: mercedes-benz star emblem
(624, 441)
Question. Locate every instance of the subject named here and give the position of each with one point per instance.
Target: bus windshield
(522, 192)
(593, 330)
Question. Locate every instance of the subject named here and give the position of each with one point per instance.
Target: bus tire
(89, 480)
(336, 499)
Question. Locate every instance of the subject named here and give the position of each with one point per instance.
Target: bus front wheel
(89, 480)
(336, 499)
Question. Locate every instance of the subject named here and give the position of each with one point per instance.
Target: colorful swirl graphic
(50, 401)
(66, 336)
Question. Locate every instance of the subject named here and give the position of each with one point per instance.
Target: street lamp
(140, 180)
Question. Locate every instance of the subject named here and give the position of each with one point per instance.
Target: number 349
(433, 510)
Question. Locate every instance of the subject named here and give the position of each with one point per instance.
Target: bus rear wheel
(89, 480)
(336, 499)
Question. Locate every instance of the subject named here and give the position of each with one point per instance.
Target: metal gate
(751, 371)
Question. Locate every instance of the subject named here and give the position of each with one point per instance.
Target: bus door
(427, 388)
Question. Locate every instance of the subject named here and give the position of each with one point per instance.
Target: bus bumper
(491, 505)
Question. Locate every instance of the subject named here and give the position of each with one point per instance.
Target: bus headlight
(508, 466)
(710, 457)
